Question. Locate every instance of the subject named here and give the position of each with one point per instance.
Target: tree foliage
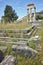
(9, 14)
(39, 17)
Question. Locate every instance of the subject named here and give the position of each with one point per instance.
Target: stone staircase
(19, 43)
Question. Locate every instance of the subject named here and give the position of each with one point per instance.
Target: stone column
(28, 15)
(30, 10)
(34, 13)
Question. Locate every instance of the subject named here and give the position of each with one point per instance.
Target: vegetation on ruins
(28, 61)
(9, 17)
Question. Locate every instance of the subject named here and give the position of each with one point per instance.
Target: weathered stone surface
(9, 60)
(25, 51)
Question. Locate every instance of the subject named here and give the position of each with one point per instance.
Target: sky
(20, 6)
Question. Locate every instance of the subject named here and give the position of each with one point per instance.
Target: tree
(40, 17)
(9, 14)
(41, 11)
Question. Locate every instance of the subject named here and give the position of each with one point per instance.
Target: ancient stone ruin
(29, 12)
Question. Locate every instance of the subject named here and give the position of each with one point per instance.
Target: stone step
(9, 60)
(3, 48)
(16, 30)
(24, 51)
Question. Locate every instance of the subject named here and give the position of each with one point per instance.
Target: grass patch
(14, 26)
(32, 44)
